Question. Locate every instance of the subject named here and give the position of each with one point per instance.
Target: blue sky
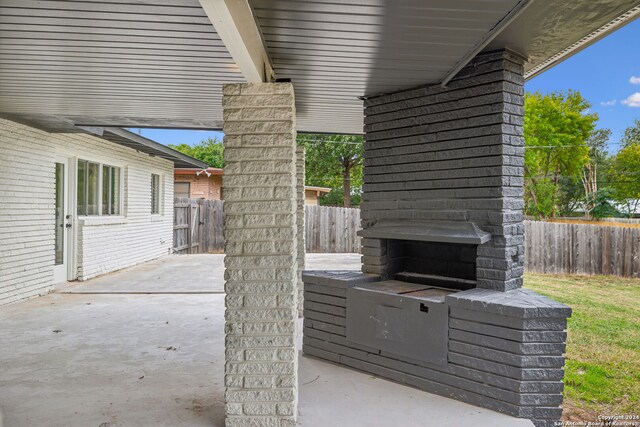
(604, 74)
(178, 136)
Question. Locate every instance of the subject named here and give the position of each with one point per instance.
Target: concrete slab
(187, 274)
(112, 360)
(331, 395)
(171, 274)
(333, 262)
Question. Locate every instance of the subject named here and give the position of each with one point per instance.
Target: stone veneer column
(300, 223)
(261, 251)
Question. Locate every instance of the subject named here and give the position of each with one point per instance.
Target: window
(110, 190)
(155, 193)
(181, 189)
(88, 187)
(99, 189)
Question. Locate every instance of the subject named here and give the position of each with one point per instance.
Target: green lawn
(602, 375)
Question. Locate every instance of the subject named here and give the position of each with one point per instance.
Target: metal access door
(411, 327)
(63, 222)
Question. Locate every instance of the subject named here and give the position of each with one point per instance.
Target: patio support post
(300, 158)
(261, 252)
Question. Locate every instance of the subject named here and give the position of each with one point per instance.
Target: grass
(602, 374)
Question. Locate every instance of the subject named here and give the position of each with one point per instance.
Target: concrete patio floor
(103, 354)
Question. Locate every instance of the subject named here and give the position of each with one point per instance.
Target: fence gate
(187, 228)
(197, 226)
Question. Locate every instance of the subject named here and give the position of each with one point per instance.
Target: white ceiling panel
(335, 53)
(107, 62)
(162, 64)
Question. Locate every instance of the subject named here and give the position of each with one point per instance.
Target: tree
(631, 134)
(625, 177)
(556, 128)
(597, 143)
(209, 150)
(334, 161)
(601, 206)
(336, 198)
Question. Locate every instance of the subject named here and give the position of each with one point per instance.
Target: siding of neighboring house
(104, 244)
(202, 186)
(311, 197)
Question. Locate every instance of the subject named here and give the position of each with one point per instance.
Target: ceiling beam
(236, 25)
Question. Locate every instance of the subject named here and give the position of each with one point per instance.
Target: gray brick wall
(261, 251)
(453, 154)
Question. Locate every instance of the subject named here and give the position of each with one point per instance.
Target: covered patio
(436, 87)
(145, 346)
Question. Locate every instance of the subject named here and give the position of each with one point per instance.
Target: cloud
(633, 100)
(634, 80)
(608, 103)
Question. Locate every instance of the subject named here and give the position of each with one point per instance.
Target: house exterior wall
(210, 188)
(104, 244)
(202, 186)
(311, 197)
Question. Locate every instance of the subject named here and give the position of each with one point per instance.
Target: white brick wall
(300, 202)
(27, 164)
(261, 270)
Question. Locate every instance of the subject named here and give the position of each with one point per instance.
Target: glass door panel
(63, 244)
(60, 214)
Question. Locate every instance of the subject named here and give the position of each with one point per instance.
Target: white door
(63, 222)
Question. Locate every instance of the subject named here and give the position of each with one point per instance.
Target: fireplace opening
(421, 264)
(446, 265)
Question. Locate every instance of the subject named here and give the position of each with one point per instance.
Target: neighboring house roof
(318, 189)
(197, 171)
(635, 204)
(140, 143)
(218, 171)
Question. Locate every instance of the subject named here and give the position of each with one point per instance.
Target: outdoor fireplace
(439, 304)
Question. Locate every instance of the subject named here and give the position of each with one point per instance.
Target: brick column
(300, 224)
(261, 250)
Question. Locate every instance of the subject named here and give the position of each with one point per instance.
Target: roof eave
(584, 42)
(145, 145)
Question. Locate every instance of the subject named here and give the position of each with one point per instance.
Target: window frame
(187, 183)
(85, 195)
(100, 188)
(113, 170)
(156, 194)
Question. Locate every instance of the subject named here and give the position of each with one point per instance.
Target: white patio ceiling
(161, 63)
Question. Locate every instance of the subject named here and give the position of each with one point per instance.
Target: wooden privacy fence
(623, 220)
(552, 247)
(197, 226)
(332, 229)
